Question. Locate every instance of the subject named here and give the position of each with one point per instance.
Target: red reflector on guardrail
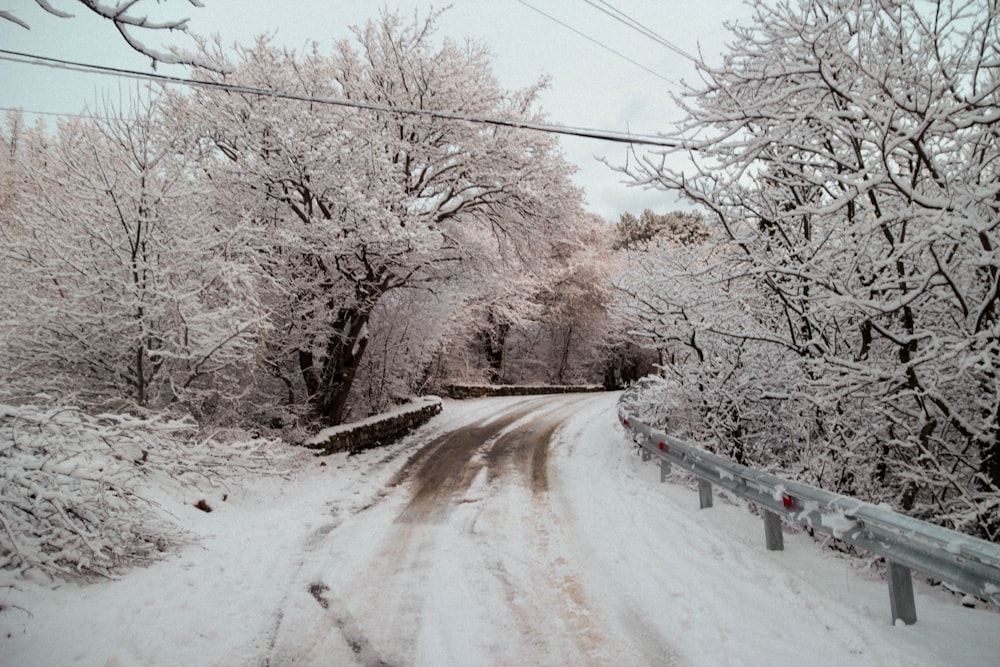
(787, 500)
(664, 447)
(625, 421)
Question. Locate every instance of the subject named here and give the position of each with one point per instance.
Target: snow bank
(80, 494)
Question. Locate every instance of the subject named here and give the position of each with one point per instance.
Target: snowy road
(512, 531)
(530, 535)
(468, 562)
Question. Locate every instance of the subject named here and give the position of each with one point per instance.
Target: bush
(74, 488)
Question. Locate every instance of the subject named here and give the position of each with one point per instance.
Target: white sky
(591, 87)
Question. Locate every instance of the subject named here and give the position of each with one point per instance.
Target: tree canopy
(285, 225)
(848, 152)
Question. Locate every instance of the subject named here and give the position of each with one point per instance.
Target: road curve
(463, 560)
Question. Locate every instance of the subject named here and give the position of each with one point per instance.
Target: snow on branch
(123, 14)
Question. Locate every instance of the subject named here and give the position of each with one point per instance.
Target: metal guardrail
(968, 563)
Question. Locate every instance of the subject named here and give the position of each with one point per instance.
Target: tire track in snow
(463, 560)
(447, 466)
(393, 579)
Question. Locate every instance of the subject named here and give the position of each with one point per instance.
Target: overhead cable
(597, 42)
(632, 23)
(586, 133)
(60, 114)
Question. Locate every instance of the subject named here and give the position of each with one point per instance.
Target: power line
(586, 133)
(597, 42)
(60, 114)
(632, 23)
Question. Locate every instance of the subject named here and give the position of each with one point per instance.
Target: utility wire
(60, 114)
(586, 133)
(632, 23)
(597, 42)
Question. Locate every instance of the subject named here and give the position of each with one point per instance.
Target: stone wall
(462, 391)
(382, 430)
(375, 432)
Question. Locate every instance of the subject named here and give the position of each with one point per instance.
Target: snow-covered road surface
(510, 531)
(468, 564)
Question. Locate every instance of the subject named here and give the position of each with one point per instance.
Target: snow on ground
(605, 566)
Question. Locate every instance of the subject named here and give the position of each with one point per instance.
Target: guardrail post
(646, 455)
(968, 563)
(772, 532)
(901, 593)
(704, 493)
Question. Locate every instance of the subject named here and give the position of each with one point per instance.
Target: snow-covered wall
(375, 431)
(461, 391)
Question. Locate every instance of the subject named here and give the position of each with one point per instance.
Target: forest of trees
(255, 260)
(844, 323)
(826, 304)
(213, 260)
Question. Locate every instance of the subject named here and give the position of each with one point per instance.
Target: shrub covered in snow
(78, 492)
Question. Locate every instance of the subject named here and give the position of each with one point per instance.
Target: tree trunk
(564, 355)
(330, 386)
(990, 463)
(494, 339)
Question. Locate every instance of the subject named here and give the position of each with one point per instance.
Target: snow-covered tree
(848, 150)
(566, 340)
(683, 227)
(119, 289)
(408, 330)
(355, 203)
(538, 317)
(131, 18)
(656, 257)
(718, 373)
(11, 175)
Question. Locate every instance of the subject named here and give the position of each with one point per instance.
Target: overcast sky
(590, 86)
